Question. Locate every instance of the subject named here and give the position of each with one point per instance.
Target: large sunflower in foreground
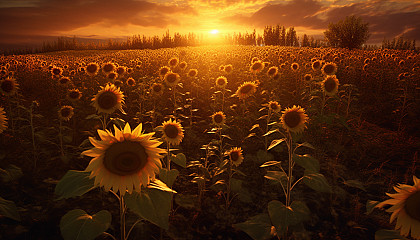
(124, 161)
(246, 90)
(294, 119)
(172, 132)
(3, 120)
(108, 99)
(406, 208)
(8, 86)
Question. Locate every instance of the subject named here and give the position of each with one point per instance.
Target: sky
(26, 22)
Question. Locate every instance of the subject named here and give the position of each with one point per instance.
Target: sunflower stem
(60, 135)
(122, 217)
(168, 159)
(266, 129)
(31, 117)
(290, 171)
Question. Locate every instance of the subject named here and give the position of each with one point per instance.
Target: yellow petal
(93, 152)
(137, 130)
(127, 128)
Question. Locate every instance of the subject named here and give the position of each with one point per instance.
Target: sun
(214, 31)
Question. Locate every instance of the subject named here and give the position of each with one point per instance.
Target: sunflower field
(210, 142)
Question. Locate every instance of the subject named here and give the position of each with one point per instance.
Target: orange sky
(30, 20)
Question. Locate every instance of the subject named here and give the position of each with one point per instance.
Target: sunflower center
(329, 69)
(234, 155)
(171, 131)
(171, 78)
(108, 68)
(295, 66)
(163, 71)
(107, 100)
(92, 68)
(64, 80)
(65, 112)
(273, 106)
(173, 62)
(292, 119)
(271, 71)
(56, 71)
(74, 95)
(246, 89)
(125, 158)
(228, 69)
(412, 205)
(220, 81)
(256, 66)
(218, 118)
(7, 86)
(330, 84)
(316, 65)
(307, 78)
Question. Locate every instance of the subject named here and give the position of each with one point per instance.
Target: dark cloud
(386, 18)
(50, 16)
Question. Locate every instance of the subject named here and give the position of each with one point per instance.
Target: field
(293, 143)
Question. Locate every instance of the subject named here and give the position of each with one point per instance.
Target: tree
(351, 32)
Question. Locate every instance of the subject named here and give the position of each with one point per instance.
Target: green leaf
(264, 156)
(254, 127)
(270, 132)
(275, 142)
(271, 163)
(9, 209)
(10, 173)
(307, 162)
(73, 184)
(370, 206)
(78, 225)
(306, 144)
(384, 234)
(283, 217)
(159, 185)
(355, 184)
(316, 181)
(180, 160)
(278, 176)
(151, 204)
(93, 116)
(258, 227)
(168, 177)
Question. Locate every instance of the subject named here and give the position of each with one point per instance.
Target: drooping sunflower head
(235, 155)
(274, 106)
(8, 86)
(192, 73)
(329, 68)
(173, 133)
(171, 79)
(228, 68)
(294, 119)
(173, 62)
(74, 94)
(156, 89)
(131, 82)
(330, 85)
(163, 71)
(406, 208)
(218, 118)
(316, 65)
(272, 71)
(92, 69)
(65, 113)
(124, 161)
(108, 67)
(221, 82)
(246, 90)
(108, 99)
(3, 120)
(256, 66)
(294, 66)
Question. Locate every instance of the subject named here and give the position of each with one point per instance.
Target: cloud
(386, 18)
(49, 16)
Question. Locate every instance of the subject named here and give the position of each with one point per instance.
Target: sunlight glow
(214, 31)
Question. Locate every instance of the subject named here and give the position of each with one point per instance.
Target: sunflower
(246, 90)
(316, 65)
(171, 79)
(112, 76)
(74, 94)
(157, 89)
(274, 106)
(254, 59)
(92, 69)
(294, 66)
(256, 67)
(228, 68)
(406, 208)
(173, 62)
(163, 71)
(121, 70)
(330, 85)
(64, 80)
(221, 82)
(8, 86)
(172, 132)
(192, 73)
(329, 68)
(218, 118)
(56, 71)
(124, 161)
(108, 67)
(65, 113)
(108, 99)
(222, 68)
(131, 82)
(294, 119)
(235, 155)
(182, 65)
(307, 77)
(272, 71)
(3, 120)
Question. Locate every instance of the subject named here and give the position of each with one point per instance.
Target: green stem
(122, 217)
(60, 134)
(31, 117)
(290, 171)
(168, 159)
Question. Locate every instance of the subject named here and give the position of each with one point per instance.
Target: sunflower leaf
(275, 142)
(316, 181)
(282, 216)
(370, 206)
(180, 160)
(9, 209)
(168, 176)
(78, 225)
(254, 127)
(73, 184)
(258, 227)
(385, 234)
(271, 163)
(270, 132)
(307, 162)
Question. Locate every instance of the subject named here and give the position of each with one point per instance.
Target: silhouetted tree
(351, 32)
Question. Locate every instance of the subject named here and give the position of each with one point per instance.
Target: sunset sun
(214, 32)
